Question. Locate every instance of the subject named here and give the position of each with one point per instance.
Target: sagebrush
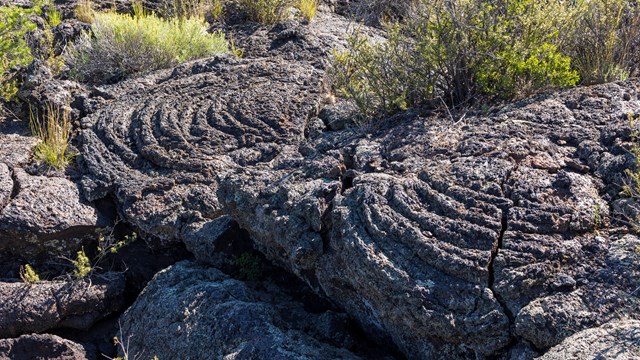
(122, 45)
(603, 41)
(190, 8)
(308, 8)
(84, 11)
(461, 52)
(377, 11)
(266, 11)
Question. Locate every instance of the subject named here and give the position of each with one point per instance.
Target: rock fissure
(494, 255)
(504, 225)
(16, 184)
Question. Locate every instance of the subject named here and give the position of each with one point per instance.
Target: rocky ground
(273, 226)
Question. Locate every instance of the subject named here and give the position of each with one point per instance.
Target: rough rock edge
(42, 346)
(28, 308)
(196, 312)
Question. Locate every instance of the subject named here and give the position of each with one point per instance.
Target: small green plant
(55, 62)
(84, 11)
(217, 9)
(308, 8)
(28, 274)
(14, 51)
(235, 51)
(138, 9)
(85, 267)
(123, 45)
(121, 348)
(54, 18)
(266, 11)
(108, 244)
(124, 350)
(597, 218)
(249, 266)
(82, 265)
(53, 130)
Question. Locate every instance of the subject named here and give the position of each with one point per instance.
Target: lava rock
(447, 235)
(28, 308)
(46, 217)
(450, 238)
(613, 340)
(42, 346)
(190, 311)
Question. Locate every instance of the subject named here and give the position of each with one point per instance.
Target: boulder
(29, 308)
(41, 216)
(41, 90)
(162, 156)
(190, 311)
(42, 346)
(614, 340)
(45, 216)
(458, 237)
(16, 149)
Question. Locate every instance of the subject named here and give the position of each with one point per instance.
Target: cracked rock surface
(47, 215)
(457, 239)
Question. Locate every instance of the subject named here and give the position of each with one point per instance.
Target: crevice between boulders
(16, 184)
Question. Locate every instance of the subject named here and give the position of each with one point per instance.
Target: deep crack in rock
(15, 189)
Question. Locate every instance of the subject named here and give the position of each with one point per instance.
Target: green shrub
(457, 51)
(234, 50)
(375, 75)
(122, 45)
(84, 11)
(14, 51)
(54, 18)
(138, 11)
(377, 11)
(308, 8)
(217, 9)
(249, 266)
(266, 11)
(602, 44)
(190, 8)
